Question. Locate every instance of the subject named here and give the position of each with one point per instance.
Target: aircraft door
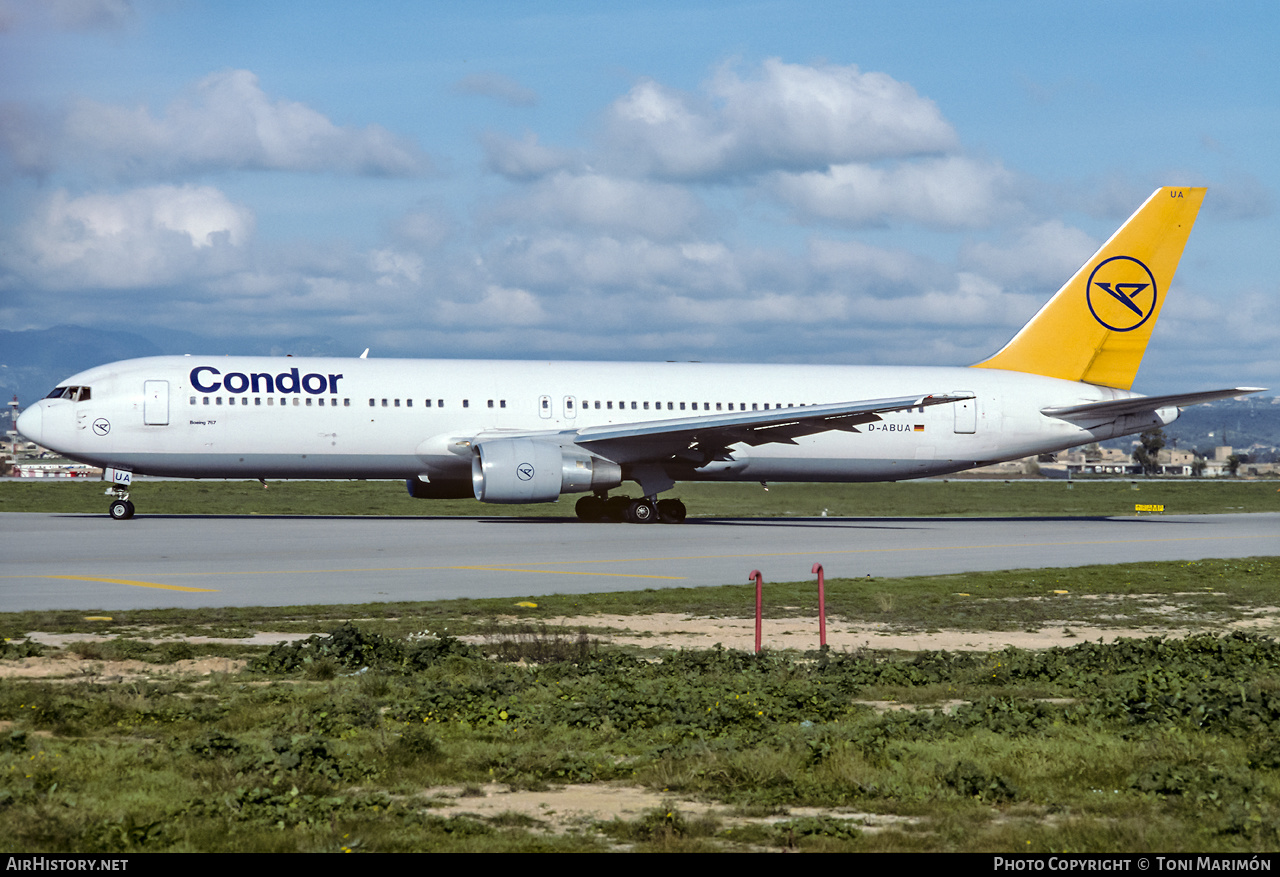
(966, 411)
(570, 407)
(544, 407)
(155, 403)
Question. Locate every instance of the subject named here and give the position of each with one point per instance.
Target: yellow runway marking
(527, 566)
(136, 584)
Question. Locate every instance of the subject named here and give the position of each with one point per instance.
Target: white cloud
(1048, 253)
(139, 238)
(610, 204)
(600, 265)
(951, 192)
(227, 122)
(790, 117)
(523, 159)
(395, 268)
(498, 306)
(863, 263)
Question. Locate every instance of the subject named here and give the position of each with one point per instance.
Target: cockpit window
(75, 394)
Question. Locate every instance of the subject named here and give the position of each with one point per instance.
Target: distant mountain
(1254, 420)
(1246, 423)
(32, 362)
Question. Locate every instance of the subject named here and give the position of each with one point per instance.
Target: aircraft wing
(1139, 404)
(704, 438)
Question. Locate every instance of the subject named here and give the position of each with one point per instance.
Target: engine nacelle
(534, 470)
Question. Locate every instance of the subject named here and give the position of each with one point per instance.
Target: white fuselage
(367, 418)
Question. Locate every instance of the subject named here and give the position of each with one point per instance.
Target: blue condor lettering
(314, 383)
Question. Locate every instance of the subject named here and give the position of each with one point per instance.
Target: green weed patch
(1184, 733)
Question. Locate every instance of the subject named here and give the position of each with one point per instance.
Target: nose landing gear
(120, 509)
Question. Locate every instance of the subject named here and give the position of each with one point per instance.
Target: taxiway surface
(91, 562)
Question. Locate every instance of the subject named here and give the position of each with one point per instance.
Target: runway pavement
(54, 561)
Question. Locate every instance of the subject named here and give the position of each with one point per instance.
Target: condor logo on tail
(1121, 293)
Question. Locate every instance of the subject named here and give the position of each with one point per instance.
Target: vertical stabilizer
(1096, 328)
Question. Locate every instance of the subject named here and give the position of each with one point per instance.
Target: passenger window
(206, 400)
(408, 403)
(397, 403)
(428, 403)
(439, 403)
(466, 403)
(295, 403)
(308, 401)
(346, 403)
(370, 403)
(257, 400)
(271, 400)
(502, 403)
(384, 403)
(193, 400)
(491, 403)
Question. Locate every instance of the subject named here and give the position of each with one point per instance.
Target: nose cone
(31, 423)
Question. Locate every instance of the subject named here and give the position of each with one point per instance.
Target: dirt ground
(670, 630)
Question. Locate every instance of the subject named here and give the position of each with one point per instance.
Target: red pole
(822, 606)
(755, 574)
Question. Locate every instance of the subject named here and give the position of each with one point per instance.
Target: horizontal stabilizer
(1140, 404)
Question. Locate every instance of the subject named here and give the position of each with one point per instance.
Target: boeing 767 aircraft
(524, 432)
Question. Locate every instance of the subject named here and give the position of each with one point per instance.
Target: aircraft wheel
(121, 510)
(671, 511)
(641, 512)
(590, 509)
(615, 508)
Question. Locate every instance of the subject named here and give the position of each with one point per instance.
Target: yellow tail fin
(1096, 328)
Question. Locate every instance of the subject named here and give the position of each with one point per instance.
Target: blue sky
(882, 183)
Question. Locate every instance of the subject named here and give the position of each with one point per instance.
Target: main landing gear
(598, 507)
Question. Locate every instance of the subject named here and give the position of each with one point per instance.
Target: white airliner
(524, 432)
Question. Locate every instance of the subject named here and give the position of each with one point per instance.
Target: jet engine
(534, 470)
